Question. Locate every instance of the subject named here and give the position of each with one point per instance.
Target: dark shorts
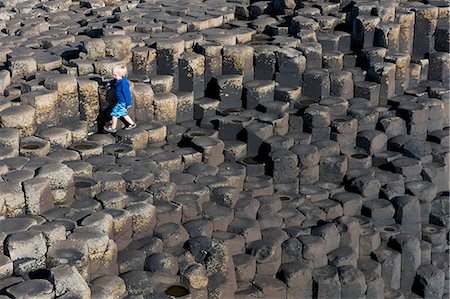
(120, 110)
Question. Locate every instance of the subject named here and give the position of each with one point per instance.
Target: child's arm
(127, 94)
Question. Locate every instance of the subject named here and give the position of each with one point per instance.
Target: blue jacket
(122, 91)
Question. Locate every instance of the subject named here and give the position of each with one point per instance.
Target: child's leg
(129, 120)
(114, 122)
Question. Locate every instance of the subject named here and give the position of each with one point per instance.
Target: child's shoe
(110, 129)
(129, 127)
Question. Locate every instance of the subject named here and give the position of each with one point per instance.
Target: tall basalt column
(308, 157)
(416, 116)
(326, 283)
(5, 80)
(364, 31)
(424, 28)
(192, 68)
(441, 36)
(430, 281)
(94, 48)
(144, 61)
(386, 12)
(313, 53)
(258, 92)
(165, 107)
(45, 102)
(168, 51)
(387, 36)
(238, 60)
(341, 84)
(265, 62)
(440, 68)
(118, 46)
(228, 90)
(290, 66)
(185, 105)
(143, 101)
(370, 56)
(409, 246)
(316, 83)
(213, 60)
(20, 67)
(406, 19)
(89, 101)
(256, 134)
(284, 166)
(67, 87)
(297, 152)
(402, 71)
(390, 261)
(384, 74)
(333, 60)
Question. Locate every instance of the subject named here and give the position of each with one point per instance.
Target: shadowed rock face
(284, 149)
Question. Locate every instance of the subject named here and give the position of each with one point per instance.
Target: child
(123, 96)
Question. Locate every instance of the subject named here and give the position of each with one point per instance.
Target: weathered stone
(26, 245)
(67, 88)
(45, 103)
(20, 117)
(36, 288)
(67, 279)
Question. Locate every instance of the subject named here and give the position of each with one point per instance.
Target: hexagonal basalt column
(238, 60)
(20, 117)
(45, 102)
(67, 88)
(89, 101)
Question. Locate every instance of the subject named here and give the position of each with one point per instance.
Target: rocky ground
(284, 149)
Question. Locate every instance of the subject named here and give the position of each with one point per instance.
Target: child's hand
(110, 84)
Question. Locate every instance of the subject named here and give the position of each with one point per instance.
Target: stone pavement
(284, 149)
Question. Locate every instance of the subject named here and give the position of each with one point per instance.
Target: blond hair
(120, 70)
